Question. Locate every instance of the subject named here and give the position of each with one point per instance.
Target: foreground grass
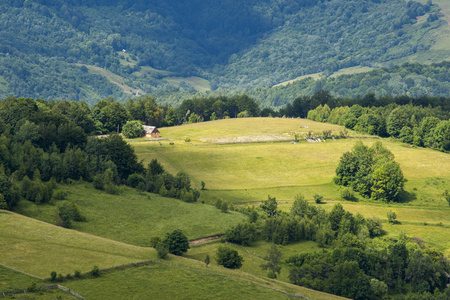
(39, 248)
(181, 278)
(134, 218)
(11, 280)
(48, 294)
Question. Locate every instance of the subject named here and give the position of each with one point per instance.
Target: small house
(151, 131)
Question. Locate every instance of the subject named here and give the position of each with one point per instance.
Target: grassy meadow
(183, 278)
(39, 248)
(134, 217)
(245, 173)
(230, 157)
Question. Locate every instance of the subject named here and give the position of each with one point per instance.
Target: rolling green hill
(39, 248)
(83, 50)
(134, 218)
(241, 161)
(248, 171)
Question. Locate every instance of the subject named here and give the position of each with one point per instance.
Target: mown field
(245, 173)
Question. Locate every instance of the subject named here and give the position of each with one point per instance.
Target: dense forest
(411, 79)
(85, 50)
(45, 143)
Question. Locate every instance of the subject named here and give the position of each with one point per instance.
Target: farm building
(151, 131)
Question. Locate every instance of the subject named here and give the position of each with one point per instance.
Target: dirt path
(205, 239)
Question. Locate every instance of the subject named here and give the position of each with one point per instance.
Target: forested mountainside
(413, 80)
(89, 50)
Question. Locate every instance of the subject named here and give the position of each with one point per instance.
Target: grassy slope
(182, 278)
(134, 218)
(12, 281)
(200, 84)
(39, 248)
(249, 172)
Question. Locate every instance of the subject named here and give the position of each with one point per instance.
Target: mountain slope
(49, 48)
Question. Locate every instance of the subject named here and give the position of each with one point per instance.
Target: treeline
(374, 273)
(423, 122)
(45, 143)
(352, 264)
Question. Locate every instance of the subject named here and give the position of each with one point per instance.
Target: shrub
(60, 195)
(318, 198)
(95, 271)
(242, 234)
(348, 194)
(219, 203)
(162, 249)
(253, 216)
(32, 288)
(391, 216)
(68, 212)
(447, 196)
(112, 189)
(77, 274)
(326, 134)
(374, 226)
(154, 241)
(229, 258)
(224, 207)
(53, 275)
(177, 242)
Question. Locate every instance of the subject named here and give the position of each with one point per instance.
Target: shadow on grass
(406, 197)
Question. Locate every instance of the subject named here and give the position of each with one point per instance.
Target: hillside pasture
(246, 173)
(208, 131)
(183, 278)
(39, 248)
(135, 217)
(250, 171)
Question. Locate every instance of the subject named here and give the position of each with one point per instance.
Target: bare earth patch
(273, 137)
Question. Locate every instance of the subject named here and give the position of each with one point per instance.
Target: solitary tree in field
(177, 242)
(392, 216)
(273, 261)
(229, 258)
